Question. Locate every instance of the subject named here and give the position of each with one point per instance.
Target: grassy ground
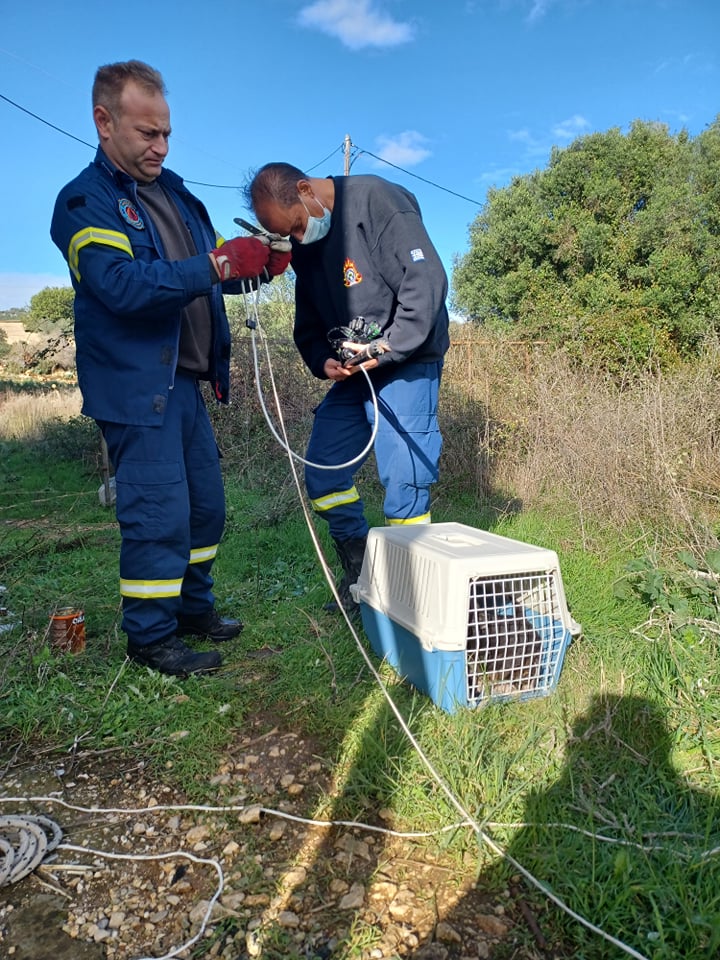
(607, 790)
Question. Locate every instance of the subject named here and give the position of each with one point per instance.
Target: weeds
(607, 790)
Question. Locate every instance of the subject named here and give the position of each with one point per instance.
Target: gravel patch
(289, 889)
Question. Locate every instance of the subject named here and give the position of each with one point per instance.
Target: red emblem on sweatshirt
(351, 274)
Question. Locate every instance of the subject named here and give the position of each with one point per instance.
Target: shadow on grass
(647, 870)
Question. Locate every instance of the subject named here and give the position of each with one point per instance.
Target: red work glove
(241, 257)
(279, 259)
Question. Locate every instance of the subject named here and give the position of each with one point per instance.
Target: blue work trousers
(407, 446)
(171, 510)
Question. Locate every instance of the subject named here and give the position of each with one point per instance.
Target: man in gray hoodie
(370, 288)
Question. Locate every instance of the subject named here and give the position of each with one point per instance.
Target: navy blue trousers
(407, 447)
(171, 510)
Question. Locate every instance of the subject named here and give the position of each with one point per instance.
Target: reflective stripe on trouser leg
(154, 512)
(340, 432)
(408, 444)
(207, 514)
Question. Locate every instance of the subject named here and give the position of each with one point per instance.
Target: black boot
(172, 657)
(210, 625)
(350, 553)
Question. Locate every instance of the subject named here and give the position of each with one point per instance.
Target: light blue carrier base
(450, 677)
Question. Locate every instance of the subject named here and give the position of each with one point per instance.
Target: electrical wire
(235, 186)
(46, 122)
(416, 176)
(325, 159)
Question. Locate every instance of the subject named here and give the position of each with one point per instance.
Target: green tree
(612, 250)
(51, 310)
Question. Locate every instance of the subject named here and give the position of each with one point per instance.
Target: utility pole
(348, 144)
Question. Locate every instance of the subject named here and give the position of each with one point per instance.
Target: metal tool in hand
(362, 331)
(275, 240)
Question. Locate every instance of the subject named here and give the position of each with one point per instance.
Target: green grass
(627, 746)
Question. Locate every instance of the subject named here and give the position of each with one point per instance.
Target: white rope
(53, 843)
(375, 828)
(165, 856)
(253, 322)
(25, 841)
(454, 801)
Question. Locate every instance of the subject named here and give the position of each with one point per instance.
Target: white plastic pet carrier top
(463, 614)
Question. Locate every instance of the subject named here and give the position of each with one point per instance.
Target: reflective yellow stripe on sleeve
(150, 589)
(335, 499)
(201, 554)
(423, 518)
(110, 238)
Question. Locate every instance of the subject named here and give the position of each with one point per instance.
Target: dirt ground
(289, 888)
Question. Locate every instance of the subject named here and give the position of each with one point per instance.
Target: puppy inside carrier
(464, 615)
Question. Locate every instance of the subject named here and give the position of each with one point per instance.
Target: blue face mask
(317, 227)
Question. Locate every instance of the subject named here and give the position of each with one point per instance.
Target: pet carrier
(464, 615)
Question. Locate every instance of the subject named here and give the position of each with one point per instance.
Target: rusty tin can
(67, 630)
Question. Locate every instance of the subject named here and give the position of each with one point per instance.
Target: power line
(223, 186)
(46, 122)
(231, 186)
(331, 154)
(417, 177)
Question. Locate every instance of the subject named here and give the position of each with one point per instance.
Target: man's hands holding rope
(279, 259)
(244, 258)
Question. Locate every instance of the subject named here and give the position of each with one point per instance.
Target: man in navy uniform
(150, 323)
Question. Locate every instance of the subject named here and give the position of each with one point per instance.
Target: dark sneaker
(210, 625)
(171, 656)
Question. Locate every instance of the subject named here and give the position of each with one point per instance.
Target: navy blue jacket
(129, 298)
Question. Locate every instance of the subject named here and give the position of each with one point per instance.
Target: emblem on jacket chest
(351, 274)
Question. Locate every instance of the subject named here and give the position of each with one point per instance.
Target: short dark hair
(275, 182)
(111, 79)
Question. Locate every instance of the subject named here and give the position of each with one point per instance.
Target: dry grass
(519, 423)
(638, 454)
(24, 414)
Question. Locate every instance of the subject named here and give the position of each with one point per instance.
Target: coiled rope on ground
(25, 841)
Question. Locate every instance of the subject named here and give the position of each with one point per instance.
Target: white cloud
(570, 128)
(559, 135)
(498, 177)
(404, 149)
(538, 10)
(356, 23)
(534, 147)
(16, 289)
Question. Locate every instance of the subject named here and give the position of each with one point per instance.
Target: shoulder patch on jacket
(417, 254)
(75, 202)
(130, 214)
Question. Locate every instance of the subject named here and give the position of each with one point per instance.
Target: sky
(447, 97)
